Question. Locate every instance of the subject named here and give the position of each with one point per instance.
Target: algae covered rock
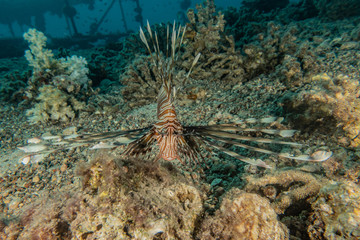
(134, 199)
(244, 216)
(336, 212)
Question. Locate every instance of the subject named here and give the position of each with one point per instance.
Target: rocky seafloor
(288, 62)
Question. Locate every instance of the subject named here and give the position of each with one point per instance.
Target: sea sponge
(136, 198)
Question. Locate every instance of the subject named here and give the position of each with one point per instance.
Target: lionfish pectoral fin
(104, 145)
(255, 162)
(234, 140)
(217, 134)
(318, 156)
(48, 144)
(234, 128)
(142, 145)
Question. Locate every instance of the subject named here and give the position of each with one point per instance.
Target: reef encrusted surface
(256, 61)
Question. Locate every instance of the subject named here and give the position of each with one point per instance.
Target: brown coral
(219, 59)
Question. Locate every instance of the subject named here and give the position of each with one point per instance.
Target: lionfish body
(167, 131)
(175, 141)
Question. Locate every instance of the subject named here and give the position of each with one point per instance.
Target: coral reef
(295, 62)
(243, 216)
(14, 74)
(119, 199)
(65, 76)
(336, 212)
(317, 65)
(330, 100)
(54, 105)
(337, 9)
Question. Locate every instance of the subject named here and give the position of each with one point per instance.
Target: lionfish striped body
(168, 129)
(175, 142)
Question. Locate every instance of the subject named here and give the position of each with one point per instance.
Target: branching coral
(205, 34)
(284, 189)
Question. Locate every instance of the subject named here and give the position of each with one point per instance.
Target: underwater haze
(52, 16)
(184, 119)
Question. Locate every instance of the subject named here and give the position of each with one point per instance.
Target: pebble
(69, 131)
(349, 46)
(36, 179)
(63, 168)
(14, 203)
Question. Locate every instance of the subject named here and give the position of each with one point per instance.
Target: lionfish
(175, 141)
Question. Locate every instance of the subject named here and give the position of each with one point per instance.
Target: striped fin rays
(39, 147)
(234, 135)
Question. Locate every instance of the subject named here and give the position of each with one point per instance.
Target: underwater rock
(243, 216)
(284, 188)
(336, 212)
(332, 101)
